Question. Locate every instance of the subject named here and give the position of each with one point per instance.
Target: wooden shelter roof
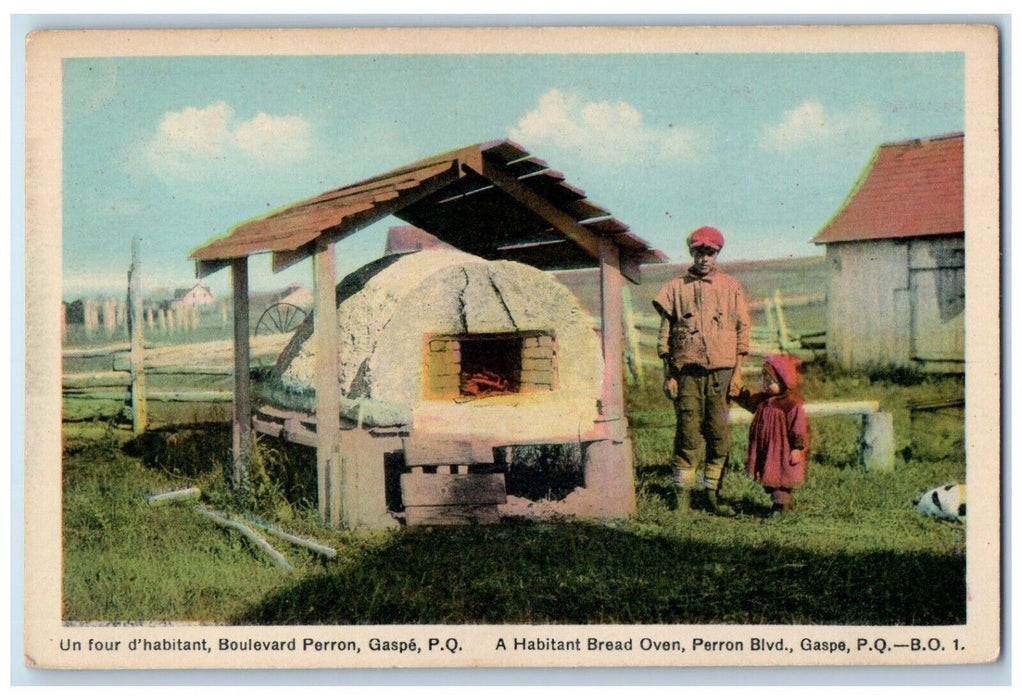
(494, 200)
(909, 188)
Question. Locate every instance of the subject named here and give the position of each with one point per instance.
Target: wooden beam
(242, 420)
(630, 261)
(328, 394)
(282, 259)
(563, 222)
(381, 208)
(204, 268)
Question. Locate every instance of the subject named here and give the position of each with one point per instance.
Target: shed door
(938, 304)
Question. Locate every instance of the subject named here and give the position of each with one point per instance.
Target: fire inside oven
(490, 364)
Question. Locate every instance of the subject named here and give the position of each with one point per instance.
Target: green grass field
(854, 552)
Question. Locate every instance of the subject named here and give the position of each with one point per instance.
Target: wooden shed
(495, 202)
(896, 250)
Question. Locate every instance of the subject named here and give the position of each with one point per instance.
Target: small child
(779, 434)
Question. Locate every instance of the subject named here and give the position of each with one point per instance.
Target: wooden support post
(328, 393)
(608, 476)
(608, 462)
(242, 425)
(364, 501)
(611, 282)
(139, 409)
(636, 373)
(877, 442)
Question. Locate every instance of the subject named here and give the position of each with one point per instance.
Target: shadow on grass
(183, 451)
(653, 482)
(585, 573)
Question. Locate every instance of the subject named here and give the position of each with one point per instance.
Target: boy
(704, 336)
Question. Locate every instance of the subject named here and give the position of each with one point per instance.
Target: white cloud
(610, 131)
(195, 141)
(810, 123)
(269, 137)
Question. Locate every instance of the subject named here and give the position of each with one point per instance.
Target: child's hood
(786, 368)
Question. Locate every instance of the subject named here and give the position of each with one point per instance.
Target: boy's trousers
(701, 411)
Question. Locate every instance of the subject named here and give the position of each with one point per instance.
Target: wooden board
(451, 515)
(428, 451)
(452, 489)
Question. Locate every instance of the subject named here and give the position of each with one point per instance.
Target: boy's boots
(711, 482)
(684, 476)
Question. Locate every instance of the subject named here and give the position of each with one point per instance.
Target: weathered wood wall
(884, 307)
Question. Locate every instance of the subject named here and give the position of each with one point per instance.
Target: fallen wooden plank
(248, 532)
(182, 494)
(318, 547)
(936, 404)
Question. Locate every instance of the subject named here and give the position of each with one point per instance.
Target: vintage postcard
(645, 346)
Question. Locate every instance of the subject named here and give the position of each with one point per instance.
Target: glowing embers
(490, 364)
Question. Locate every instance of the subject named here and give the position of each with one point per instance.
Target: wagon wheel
(280, 318)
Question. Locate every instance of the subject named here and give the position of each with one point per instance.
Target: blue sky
(763, 146)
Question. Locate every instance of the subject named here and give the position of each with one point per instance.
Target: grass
(853, 553)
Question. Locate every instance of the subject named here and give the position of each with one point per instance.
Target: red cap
(706, 237)
(786, 368)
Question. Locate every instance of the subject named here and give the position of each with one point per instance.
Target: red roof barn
(896, 248)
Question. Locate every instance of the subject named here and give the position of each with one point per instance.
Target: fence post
(877, 442)
(139, 409)
(241, 433)
(782, 327)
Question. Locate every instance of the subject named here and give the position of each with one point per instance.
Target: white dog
(946, 502)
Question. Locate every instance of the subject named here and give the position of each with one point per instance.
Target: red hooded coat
(778, 427)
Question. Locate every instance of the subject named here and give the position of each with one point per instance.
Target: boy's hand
(735, 388)
(796, 456)
(671, 388)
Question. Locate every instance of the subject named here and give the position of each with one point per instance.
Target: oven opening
(490, 364)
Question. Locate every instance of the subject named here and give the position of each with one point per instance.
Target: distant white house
(896, 249)
(198, 295)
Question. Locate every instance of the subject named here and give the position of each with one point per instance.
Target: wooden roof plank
(563, 222)
(286, 233)
(481, 198)
(504, 151)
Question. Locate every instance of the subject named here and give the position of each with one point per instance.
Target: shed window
(488, 364)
